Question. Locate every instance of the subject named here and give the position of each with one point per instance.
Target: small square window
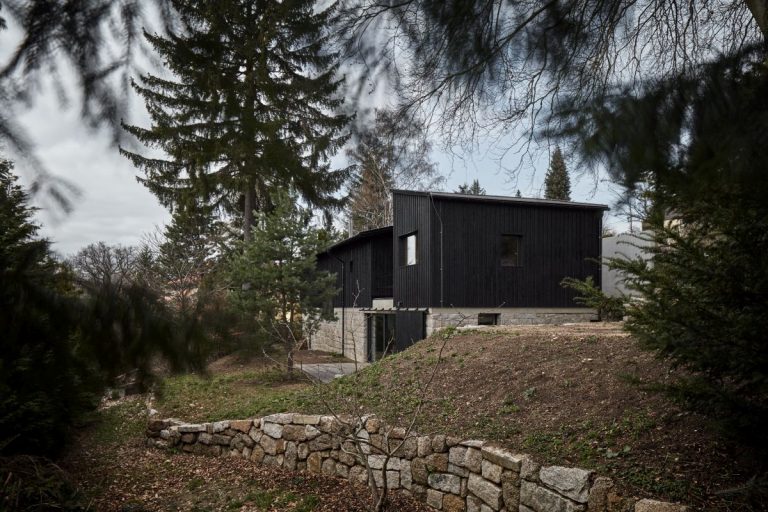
(511, 246)
(488, 319)
(408, 249)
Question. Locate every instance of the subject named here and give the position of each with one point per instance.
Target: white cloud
(112, 207)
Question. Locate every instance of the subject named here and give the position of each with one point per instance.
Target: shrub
(43, 385)
(608, 308)
(35, 483)
(705, 308)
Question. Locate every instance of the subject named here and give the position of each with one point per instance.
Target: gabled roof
(504, 199)
(371, 233)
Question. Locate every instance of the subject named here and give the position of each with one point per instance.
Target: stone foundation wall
(328, 336)
(439, 318)
(447, 473)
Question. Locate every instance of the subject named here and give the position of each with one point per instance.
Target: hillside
(578, 394)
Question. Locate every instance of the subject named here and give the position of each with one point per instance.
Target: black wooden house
(486, 259)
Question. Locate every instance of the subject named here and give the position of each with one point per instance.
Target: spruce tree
(250, 108)
(193, 237)
(557, 183)
(182, 258)
(184, 263)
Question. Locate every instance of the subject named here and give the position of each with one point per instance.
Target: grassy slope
(569, 395)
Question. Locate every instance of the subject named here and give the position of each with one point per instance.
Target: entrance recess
(391, 330)
(381, 335)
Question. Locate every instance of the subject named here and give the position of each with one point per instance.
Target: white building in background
(624, 245)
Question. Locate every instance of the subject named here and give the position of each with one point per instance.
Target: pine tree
(394, 153)
(285, 292)
(474, 189)
(557, 183)
(250, 111)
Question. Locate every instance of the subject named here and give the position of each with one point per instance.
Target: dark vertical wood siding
(411, 283)
(557, 242)
(382, 261)
(358, 279)
(371, 273)
(410, 327)
(326, 262)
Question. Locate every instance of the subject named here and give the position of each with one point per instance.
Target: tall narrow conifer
(557, 183)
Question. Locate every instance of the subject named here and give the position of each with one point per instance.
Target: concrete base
(439, 318)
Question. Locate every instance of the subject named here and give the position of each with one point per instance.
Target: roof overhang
(363, 235)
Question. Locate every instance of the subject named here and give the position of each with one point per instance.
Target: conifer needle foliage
(251, 106)
(557, 183)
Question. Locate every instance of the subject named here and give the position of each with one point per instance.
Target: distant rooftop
(504, 199)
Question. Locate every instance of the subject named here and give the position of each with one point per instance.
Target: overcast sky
(113, 207)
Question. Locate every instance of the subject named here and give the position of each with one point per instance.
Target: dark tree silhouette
(557, 183)
(500, 66)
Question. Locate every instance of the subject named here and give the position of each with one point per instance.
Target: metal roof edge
(504, 199)
(359, 236)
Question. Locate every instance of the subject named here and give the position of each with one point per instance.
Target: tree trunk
(759, 10)
(248, 212)
(382, 501)
(290, 362)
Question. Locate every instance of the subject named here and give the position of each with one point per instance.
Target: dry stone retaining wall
(447, 473)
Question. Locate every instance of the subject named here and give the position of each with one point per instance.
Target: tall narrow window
(511, 248)
(408, 249)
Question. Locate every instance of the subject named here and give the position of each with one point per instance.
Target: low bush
(608, 308)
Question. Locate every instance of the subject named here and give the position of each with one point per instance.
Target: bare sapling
(371, 443)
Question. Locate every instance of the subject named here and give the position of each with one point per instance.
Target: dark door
(411, 328)
(381, 335)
